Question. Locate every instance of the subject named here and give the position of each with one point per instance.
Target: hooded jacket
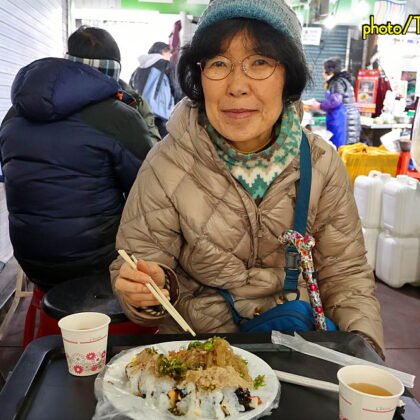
(139, 77)
(70, 153)
(186, 212)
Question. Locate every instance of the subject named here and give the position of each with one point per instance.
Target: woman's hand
(313, 104)
(131, 283)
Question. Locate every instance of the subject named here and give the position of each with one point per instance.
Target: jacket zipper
(254, 249)
(259, 223)
(256, 240)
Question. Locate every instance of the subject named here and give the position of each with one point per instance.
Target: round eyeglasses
(256, 67)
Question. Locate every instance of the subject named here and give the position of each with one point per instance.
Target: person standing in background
(155, 81)
(343, 118)
(70, 152)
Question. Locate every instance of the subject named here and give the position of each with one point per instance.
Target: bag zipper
(295, 314)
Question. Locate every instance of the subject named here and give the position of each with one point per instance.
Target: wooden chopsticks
(155, 291)
(305, 381)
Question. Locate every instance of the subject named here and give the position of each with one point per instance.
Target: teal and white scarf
(256, 171)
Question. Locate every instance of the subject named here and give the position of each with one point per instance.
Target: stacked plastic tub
(398, 249)
(368, 194)
(390, 212)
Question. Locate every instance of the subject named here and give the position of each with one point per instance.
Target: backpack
(157, 92)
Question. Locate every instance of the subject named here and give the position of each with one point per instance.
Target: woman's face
(241, 109)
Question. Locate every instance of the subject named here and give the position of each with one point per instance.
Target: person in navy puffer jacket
(70, 152)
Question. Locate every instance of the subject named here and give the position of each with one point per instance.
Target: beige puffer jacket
(187, 212)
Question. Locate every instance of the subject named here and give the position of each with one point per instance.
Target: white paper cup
(356, 405)
(85, 336)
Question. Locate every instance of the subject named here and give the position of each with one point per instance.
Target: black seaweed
(244, 398)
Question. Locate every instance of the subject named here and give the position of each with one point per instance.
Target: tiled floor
(400, 309)
(400, 312)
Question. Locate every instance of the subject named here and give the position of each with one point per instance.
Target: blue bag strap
(292, 258)
(304, 191)
(237, 319)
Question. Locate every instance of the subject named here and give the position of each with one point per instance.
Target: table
(41, 388)
(372, 133)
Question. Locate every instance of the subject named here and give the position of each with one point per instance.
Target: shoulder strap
(159, 84)
(304, 191)
(237, 319)
(292, 259)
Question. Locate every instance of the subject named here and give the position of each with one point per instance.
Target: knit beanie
(274, 12)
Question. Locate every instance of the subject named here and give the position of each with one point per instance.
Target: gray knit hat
(274, 12)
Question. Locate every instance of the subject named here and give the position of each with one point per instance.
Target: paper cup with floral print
(357, 405)
(85, 336)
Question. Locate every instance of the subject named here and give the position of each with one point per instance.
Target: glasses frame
(241, 63)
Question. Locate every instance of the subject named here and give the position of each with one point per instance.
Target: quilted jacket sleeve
(345, 279)
(151, 234)
(333, 101)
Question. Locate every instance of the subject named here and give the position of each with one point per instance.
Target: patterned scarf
(256, 171)
(111, 68)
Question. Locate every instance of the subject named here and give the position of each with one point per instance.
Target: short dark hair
(269, 42)
(332, 65)
(91, 42)
(159, 48)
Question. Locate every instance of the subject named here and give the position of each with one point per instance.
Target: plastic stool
(93, 294)
(47, 325)
(403, 163)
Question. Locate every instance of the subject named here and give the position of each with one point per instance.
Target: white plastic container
(371, 238)
(401, 206)
(398, 260)
(368, 195)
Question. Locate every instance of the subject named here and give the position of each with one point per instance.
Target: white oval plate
(115, 385)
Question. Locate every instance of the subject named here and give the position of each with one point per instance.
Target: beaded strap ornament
(304, 245)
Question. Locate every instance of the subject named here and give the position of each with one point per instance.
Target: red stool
(84, 295)
(47, 325)
(403, 164)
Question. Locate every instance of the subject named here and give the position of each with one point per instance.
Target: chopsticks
(305, 381)
(155, 291)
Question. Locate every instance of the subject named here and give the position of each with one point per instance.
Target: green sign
(191, 7)
(351, 12)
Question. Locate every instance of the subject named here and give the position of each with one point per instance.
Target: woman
(343, 118)
(211, 199)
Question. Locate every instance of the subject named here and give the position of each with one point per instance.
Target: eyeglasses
(256, 67)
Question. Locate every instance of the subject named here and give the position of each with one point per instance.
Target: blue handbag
(293, 315)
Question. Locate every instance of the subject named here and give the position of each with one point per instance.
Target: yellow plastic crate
(360, 159)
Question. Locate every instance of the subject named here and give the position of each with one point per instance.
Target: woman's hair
(269, 42)
(91, 42)
(332, 65)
